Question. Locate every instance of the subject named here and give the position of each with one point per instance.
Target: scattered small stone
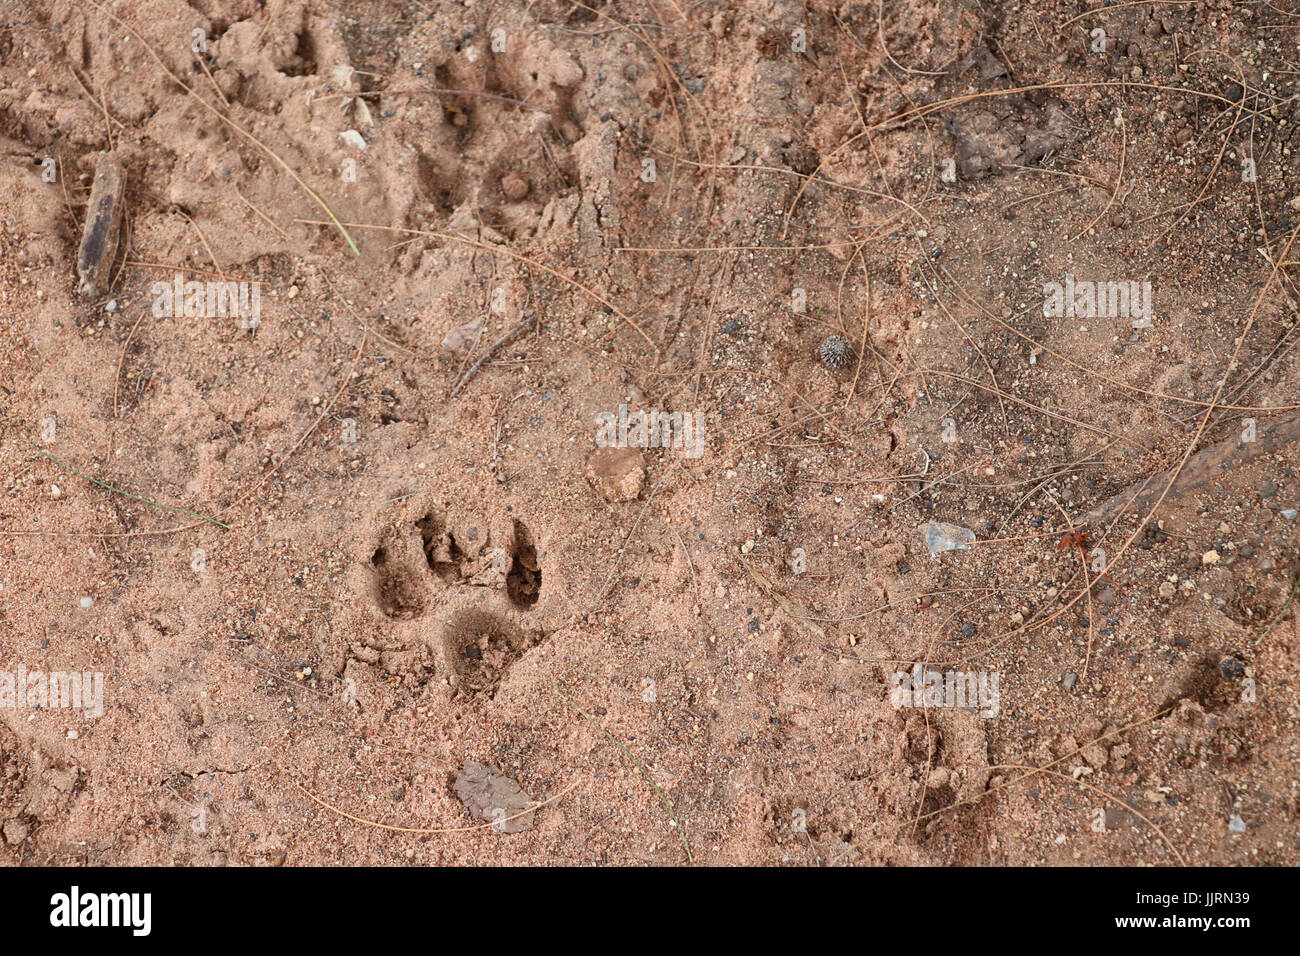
(1267, 488)
(1236, 824)
(941, 536)
(1288, 513)
(1070, 680)
(1210, 557)
(15, 831)
(494, 798)
(1096, 756)
(515, 185)
(463, 337)
(835, 351)
(968, 629)
(87, 602)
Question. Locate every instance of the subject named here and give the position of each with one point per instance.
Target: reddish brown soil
(464, 585)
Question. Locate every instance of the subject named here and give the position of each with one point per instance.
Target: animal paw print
(413, 563)
(480, 561)
(449, 596)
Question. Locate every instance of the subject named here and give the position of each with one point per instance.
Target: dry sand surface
(332, 337)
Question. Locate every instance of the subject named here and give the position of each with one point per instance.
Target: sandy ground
(407, 587)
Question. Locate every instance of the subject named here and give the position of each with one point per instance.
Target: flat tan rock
(617, 473)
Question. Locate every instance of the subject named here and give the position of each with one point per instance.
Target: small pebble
(940, 536)
(1070, 681)
(1236, 824)
(514, 185)
(87, 602)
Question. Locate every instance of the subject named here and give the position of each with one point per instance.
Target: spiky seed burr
(835, 351)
